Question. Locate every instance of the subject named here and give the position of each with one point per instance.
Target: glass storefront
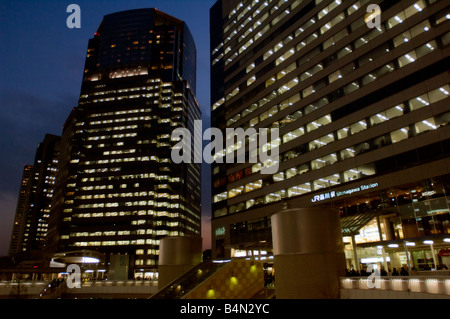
(398, 223)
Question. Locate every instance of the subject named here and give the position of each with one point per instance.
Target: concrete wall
(30, 289)
(117, 289)
(382, 294)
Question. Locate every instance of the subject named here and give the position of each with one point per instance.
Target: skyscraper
(30, 230)
(362, 112)
(17, 235)
(118, 191)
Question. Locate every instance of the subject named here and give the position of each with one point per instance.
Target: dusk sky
(42, 63)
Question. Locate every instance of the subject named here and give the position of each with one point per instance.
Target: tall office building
(17, 234)
(362, 112)
(30, 229)
(118, 191)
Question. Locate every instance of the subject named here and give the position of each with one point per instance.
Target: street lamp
(430, 242)
(408, 260)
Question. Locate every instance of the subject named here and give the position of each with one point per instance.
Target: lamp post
(406, 244)
(430, 242)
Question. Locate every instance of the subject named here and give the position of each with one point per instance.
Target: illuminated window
(400, 135)
(419, 102)
(425, 125)
(299, 190)
(439, 94)
(349, 152)
(387, 115)
(358, 127)
(294, 134)
(220, 197)
(368, 233)
(274, 197)
(235, 192)
(318, 123)
(253, 185)
(426, 49)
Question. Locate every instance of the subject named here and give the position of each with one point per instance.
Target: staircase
(53, 291)
(178, 288)
(235, 279)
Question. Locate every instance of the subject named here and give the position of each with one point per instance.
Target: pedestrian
(395, 272)
(404, 272)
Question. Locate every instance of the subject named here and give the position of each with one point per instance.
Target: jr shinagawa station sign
(333, 194)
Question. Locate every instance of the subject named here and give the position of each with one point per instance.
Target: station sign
(333, 194)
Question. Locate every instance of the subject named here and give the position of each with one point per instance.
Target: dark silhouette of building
(17, 235)
(30, 229)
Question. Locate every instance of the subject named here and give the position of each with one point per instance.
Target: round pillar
(308, 253)
(177, 255)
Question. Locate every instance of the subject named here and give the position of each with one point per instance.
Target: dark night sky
(42, 63)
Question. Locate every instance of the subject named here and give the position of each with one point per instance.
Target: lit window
(400, 135)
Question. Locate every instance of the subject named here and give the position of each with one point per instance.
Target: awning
(350, 225)
(444, 252)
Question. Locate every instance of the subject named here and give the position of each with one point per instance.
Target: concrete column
(308, 253)
(408, 259)
(355, 254)
(385, 264)
(433, 252)
(177, 255)
(395, 260)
